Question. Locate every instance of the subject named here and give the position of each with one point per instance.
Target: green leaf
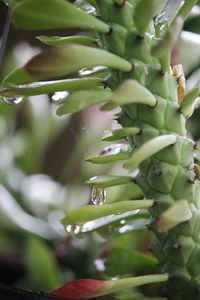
(130, 91)
(82, 99)
(46, 87)
(149, 148)
(188, 103)
(109, 180)
(177, 213)
(167, 16)
(144, 13)
(45, 14)
(90, 212)
(113, 135)
(63, 60)
(112, 153)
(130, 261)
(59, 40)
(186, 8)
(133, 219)
(163, 49)
(41, 264)
(119, 284)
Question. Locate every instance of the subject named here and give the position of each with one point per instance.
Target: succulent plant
(128, 57)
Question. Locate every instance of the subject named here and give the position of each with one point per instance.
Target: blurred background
(42, 175)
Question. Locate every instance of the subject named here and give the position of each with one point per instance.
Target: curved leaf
(59, 40)
(90, 212)
(82, 99)
(46, 87)
(109, 180)
(49, 63)
(45, 14)
(113, 135)
(112, 153)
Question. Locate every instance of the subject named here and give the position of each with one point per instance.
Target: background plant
(98, 94)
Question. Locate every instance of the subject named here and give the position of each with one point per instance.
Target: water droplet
(9, 100)
(98, 195)
(115, 149)
(73, 229)
(90, 71)
(58, 97)
(85, 6)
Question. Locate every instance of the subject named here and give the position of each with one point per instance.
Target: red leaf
(80, 289)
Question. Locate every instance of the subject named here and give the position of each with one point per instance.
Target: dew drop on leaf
(9, 100)
(73, 229)
(98, 195)
(58, 97)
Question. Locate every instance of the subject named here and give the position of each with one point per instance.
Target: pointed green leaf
(117, 285)
(112, 153)
(82, 99)
(144, 13)
(41, 264)
(163, 49)
(50, 64)
(186, 8)
(130, 261)
(167, 16)
(177, 213)
(92, 212)
(188, 103)
(113, 135)
(130, 91)
(46, 87)
(109, 180)
(45, 14)
(59, 40)
(135, 221)
(149, 148)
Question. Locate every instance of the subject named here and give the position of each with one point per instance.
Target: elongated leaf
(82, 99)
(90, 288)
(167, 16)
(188, 102)
(41, 264)
(133, 219)
(113, 135)
(130, 261)
(45, 14)
(130, 91)
(163, 50)
(90, 212)
(46, 87)
(144, 13)
(59, 40)
(177, 213)
(112, 153)
(109, 180)
(63, 60)
(149, 148)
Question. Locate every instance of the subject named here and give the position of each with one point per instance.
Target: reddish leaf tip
(80, 289)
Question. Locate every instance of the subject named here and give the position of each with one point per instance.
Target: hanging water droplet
(58, 97)
(98, 195)
(73, 229)
(9, 100)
